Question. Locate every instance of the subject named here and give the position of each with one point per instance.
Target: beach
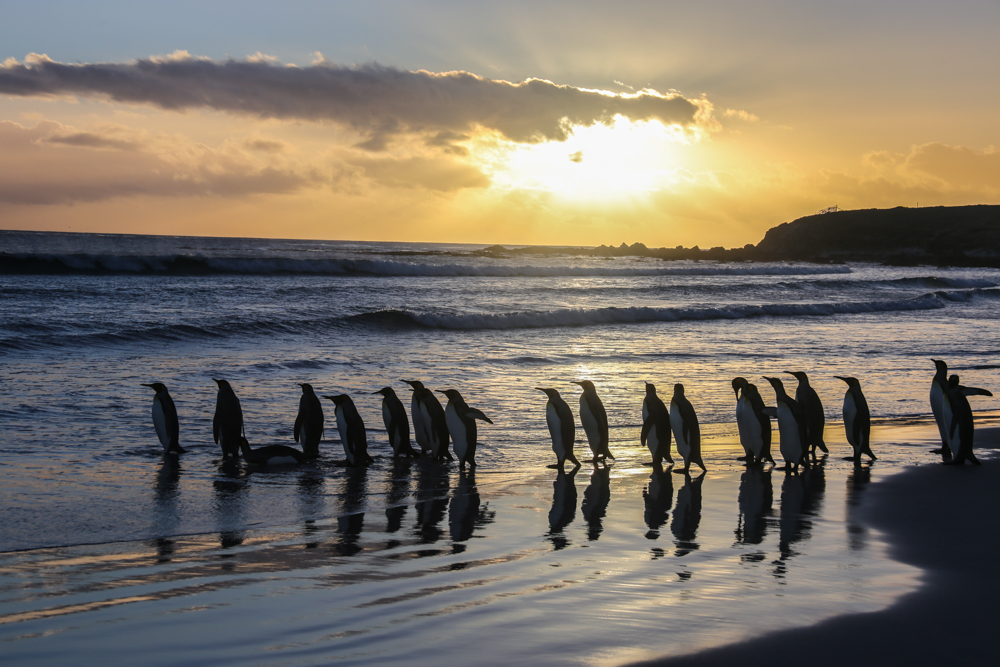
(939, 519)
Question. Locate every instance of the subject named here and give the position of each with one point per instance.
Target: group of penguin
(432, 425)
(801, 423)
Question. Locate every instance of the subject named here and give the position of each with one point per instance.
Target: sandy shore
(942, 519)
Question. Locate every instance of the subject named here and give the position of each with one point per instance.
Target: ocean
(107, 546)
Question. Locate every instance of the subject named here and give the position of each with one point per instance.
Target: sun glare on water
(601, 162)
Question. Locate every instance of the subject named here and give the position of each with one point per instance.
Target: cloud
(55, 164)
(576, 157)
(741, 115)
(377, 101)
(956, 166)
(442, 175)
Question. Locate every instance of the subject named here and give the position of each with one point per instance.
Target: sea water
(109, 547)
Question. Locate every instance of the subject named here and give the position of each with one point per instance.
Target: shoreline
(938, 519)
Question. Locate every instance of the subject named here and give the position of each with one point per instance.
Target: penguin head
(415, 384)
(223, 384)
(452, 394)
(551, 393)
(339, 399)
(586, 384)
(306, 387)
(751, 389)
(941, 366)
(678, 389)
(156, 386)
(739, 383)
(851, 382)
(953, 382)
(800, 376)
(775, 382)
(650, 388)
(385, 391)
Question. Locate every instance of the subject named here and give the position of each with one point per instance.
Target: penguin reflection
(311, 501)
(801, 499)
(755, 499)
(351, 521)
(563, 507)
(165, 495)
(658, 497)
(230, 499)
(397, 495)
(466, 512)
(687, 515)
(432, 501)
(857, 482)
(596, 497)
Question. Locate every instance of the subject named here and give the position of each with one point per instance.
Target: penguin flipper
(646, 427)
(297, 428)
(771, 412)
(822, 446)
(975, 391)
(868, 450)
(477, 414)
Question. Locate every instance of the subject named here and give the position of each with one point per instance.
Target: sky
(560, 123)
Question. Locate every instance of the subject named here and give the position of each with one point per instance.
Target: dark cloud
(265, 145)
(375, 100)
(91, 140)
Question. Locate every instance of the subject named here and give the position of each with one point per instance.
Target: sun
(623, 159)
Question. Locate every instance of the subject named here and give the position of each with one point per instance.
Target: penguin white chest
(555, 430)
(342, 429)
(456, 427)
(394, 438)
(788, 434)
(160, 423)
(743, 410)
(590, 426)
(677, 426)
(850, 414)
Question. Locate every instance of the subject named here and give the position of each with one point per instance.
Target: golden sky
(543, 122)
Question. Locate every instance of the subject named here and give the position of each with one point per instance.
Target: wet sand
(941, 519)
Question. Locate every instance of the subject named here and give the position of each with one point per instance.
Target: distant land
(938, 235)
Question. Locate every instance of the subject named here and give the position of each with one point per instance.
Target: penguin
(434, 422)
(684, 424)
(308, 427)
(562, 428)
(461, 421)
(165, 419)
(352, 431)
(857, 420)
(271, 455)
(812, 409)
(941, 406)
(396, 423)
(595, 421)
(421, 427)
(791, 426)
(962, 422)
(745, 419)
(760, 433)
(655, 432)
(227, 425)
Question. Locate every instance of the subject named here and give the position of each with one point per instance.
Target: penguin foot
(852, 458)
(742, 458)
(939, 450)
(554, 466)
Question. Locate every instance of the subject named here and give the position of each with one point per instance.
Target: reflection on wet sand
(563, 508)
(351, 521)
(465, 512)
(432, 500)
(756, 497)
(687, 515)
(659, 497)
(166, 493)
(801, 500)
(596, 497)
(397, 495)
(230, 499)
(857, 482)
(311, 487)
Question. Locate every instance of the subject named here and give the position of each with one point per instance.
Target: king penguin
(352, 431)
(594, 418)
(308, 428)
(791, 426)
(746, 422)
(561, 427)
(433, 420)
(655, 432)
(272, 455)
(812, 410)
(227, 425)
(684, 424)
(760, 431)
(857, 419)
(165, 419)
(396, 423)
(461, 421)
(421, 427)
(941, 406)
(962, 422)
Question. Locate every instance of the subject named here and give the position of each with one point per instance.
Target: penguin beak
(376, 392)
